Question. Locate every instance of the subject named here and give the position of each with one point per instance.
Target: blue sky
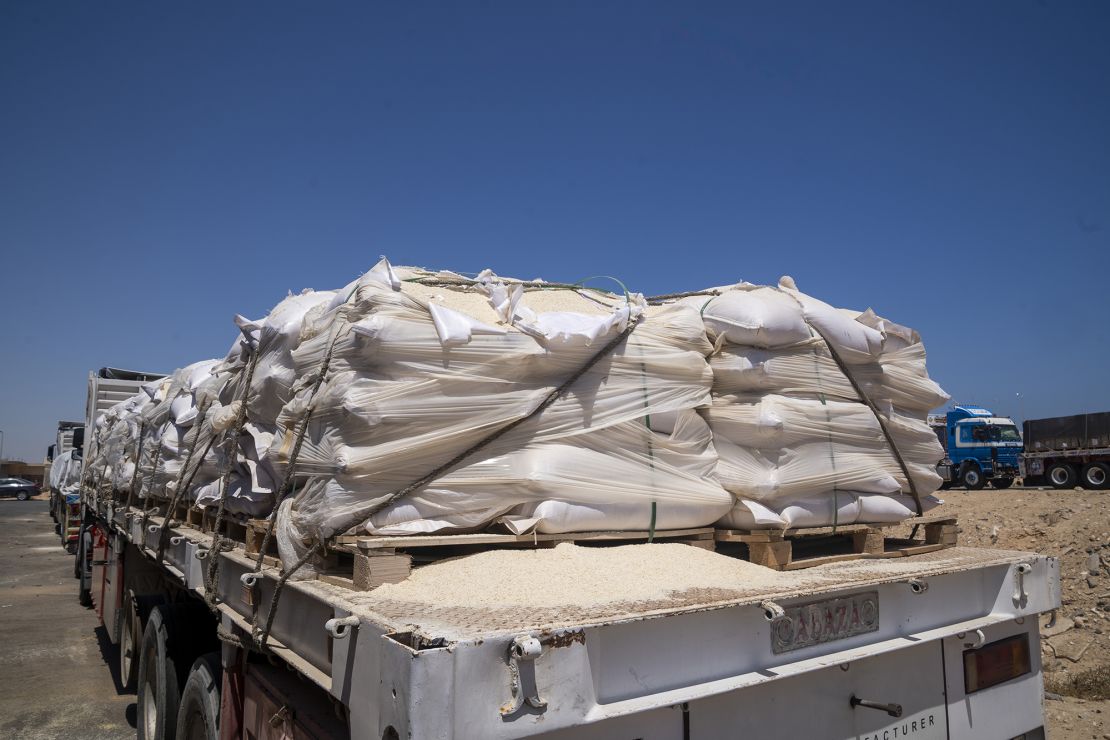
(167, 166)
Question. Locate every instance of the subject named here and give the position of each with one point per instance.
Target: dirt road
(1075, 527)
(56, 683)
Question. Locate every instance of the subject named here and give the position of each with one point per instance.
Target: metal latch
(894, 710)
(1021, 596)
(340, 627)
(523, 653)
(250, 584)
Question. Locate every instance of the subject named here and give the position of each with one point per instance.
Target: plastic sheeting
(797, 444)
(399, 401)
(722, 408)
(65, 472)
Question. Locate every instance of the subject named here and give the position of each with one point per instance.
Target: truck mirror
(79, 437)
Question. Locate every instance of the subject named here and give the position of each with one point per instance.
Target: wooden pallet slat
(368, 542)
(777, 548)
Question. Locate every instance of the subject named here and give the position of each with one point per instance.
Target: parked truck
(924, 643)
(1065, 451)
(979, 447)
(65, 459)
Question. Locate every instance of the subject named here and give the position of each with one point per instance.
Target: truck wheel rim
(150, 711)
(1059, 476)
(128, 649)
(1096, 476)
(972, 478)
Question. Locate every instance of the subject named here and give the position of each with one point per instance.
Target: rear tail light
(996, 663)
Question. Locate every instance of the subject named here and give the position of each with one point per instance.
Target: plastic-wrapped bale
(797, 444)
(422, 374)
(178, 421)
(65, 472)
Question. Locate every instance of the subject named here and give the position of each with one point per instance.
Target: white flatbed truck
(943, 644)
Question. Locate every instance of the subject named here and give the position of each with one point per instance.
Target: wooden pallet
(366, 562)
(806, 547)
(797, 548)
(230, 526)
(256, 534)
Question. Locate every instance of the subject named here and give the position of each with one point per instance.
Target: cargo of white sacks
(726, 407)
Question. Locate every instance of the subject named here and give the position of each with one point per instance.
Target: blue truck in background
(979, 448)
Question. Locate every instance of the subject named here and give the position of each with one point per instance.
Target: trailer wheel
(199, 716)
(159, 696)
(1061, 475)
(972, 478)
(1095, 476)
(130, 642)
(1001, 483)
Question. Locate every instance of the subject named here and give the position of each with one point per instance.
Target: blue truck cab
(979, 447)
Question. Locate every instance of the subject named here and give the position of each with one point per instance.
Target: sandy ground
(1075, 527)
(52, 654)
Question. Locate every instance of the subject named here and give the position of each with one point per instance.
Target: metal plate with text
(803, 625)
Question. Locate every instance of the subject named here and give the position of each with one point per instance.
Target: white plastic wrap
(65, 473)
(795, 441)
(725, 408)
(399, 402)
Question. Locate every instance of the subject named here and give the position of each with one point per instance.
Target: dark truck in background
(1066, 451)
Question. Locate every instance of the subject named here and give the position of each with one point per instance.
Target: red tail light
(996, 663)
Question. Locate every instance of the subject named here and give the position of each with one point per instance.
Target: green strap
(651, 527)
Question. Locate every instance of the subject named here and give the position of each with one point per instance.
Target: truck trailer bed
(403, 660)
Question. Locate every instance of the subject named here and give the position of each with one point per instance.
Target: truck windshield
(1006, 434)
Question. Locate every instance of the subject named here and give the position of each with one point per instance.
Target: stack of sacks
(420, 374)
(252, 481)
(65, 472)
(167, 413)
(177, 432)
(797, 445)
(424, 366)
(111, 453)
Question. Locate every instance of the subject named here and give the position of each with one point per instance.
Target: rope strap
(184, 479)
(262, 635)
(871, 405)
(212, 575)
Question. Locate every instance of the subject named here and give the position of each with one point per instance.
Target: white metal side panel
(1006, 710)
(812, 705)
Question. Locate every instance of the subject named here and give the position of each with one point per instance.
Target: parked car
(21, 488)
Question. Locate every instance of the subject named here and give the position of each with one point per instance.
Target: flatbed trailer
(937, 645)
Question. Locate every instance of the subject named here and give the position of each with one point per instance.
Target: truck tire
(199, 715)
(136, 610)
(159, 697)
(130, 639)
(1095, 476)
(972, 478)
(1061, 475)
(1001, 483)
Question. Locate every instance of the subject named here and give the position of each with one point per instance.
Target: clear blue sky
(166, 166)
